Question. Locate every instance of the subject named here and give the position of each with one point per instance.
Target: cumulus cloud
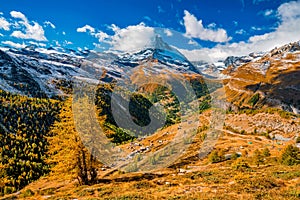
(48, 23)
(5, 25)
(13, 44)
(16, 14)
(114, 28)
(85, 29)
(35, 31)
(195, 29)
(132, 38)
(287, 31)
(289, 11)
(129, 39)
(101, 36)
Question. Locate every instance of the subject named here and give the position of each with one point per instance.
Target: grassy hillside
(42, 155)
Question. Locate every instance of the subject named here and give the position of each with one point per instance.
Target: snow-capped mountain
(36, 72)
(237, 61)
(271, 80)
(42, 72)
(162, 53)
(214, 70)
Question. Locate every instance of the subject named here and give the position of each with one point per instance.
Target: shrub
(27, 193)
(241, 165)
(253, 184)
(204, 105)
(254, 99)
(258, 157)
(216, 156)
(133, 167)
(290, 155)
(8, 190)
(235, 156)
(266, 152)
(298, 140)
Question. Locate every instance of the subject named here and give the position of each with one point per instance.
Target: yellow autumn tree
(68, 157)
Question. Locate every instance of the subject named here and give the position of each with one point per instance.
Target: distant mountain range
(41, 72)
(273, 76)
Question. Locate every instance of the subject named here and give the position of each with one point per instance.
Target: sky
(201, 29)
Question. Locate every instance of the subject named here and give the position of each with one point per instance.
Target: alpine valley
(256, 154)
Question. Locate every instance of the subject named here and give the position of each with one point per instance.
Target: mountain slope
(160, 53)
(272, 80)
(47, 72)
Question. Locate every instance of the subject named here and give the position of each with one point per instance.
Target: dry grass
(197, 179)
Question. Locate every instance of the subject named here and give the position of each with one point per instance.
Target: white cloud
(257, 38)
(114, 28)
(64, 33)
(195, 29)
(212, 25)
(132, 38)
(57, 43)
(288, 11)
(129, 39)
(85, 29)
(98, 46)
(16, 14)
(48, 23)
(4, 24)
(101, 36)
(287, 31)
(168, 32)
(66, 42)
(13, 44)
(256, 28)
(35, 31)
(38, 44)
(268, 13)
(240, 32)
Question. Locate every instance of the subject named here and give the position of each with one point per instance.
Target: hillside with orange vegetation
(246, 163)
(248, 151)
(271, 81)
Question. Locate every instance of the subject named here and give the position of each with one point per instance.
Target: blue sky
(217, 28)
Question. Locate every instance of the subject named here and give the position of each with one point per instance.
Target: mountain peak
(160, 44)
(161, 52)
